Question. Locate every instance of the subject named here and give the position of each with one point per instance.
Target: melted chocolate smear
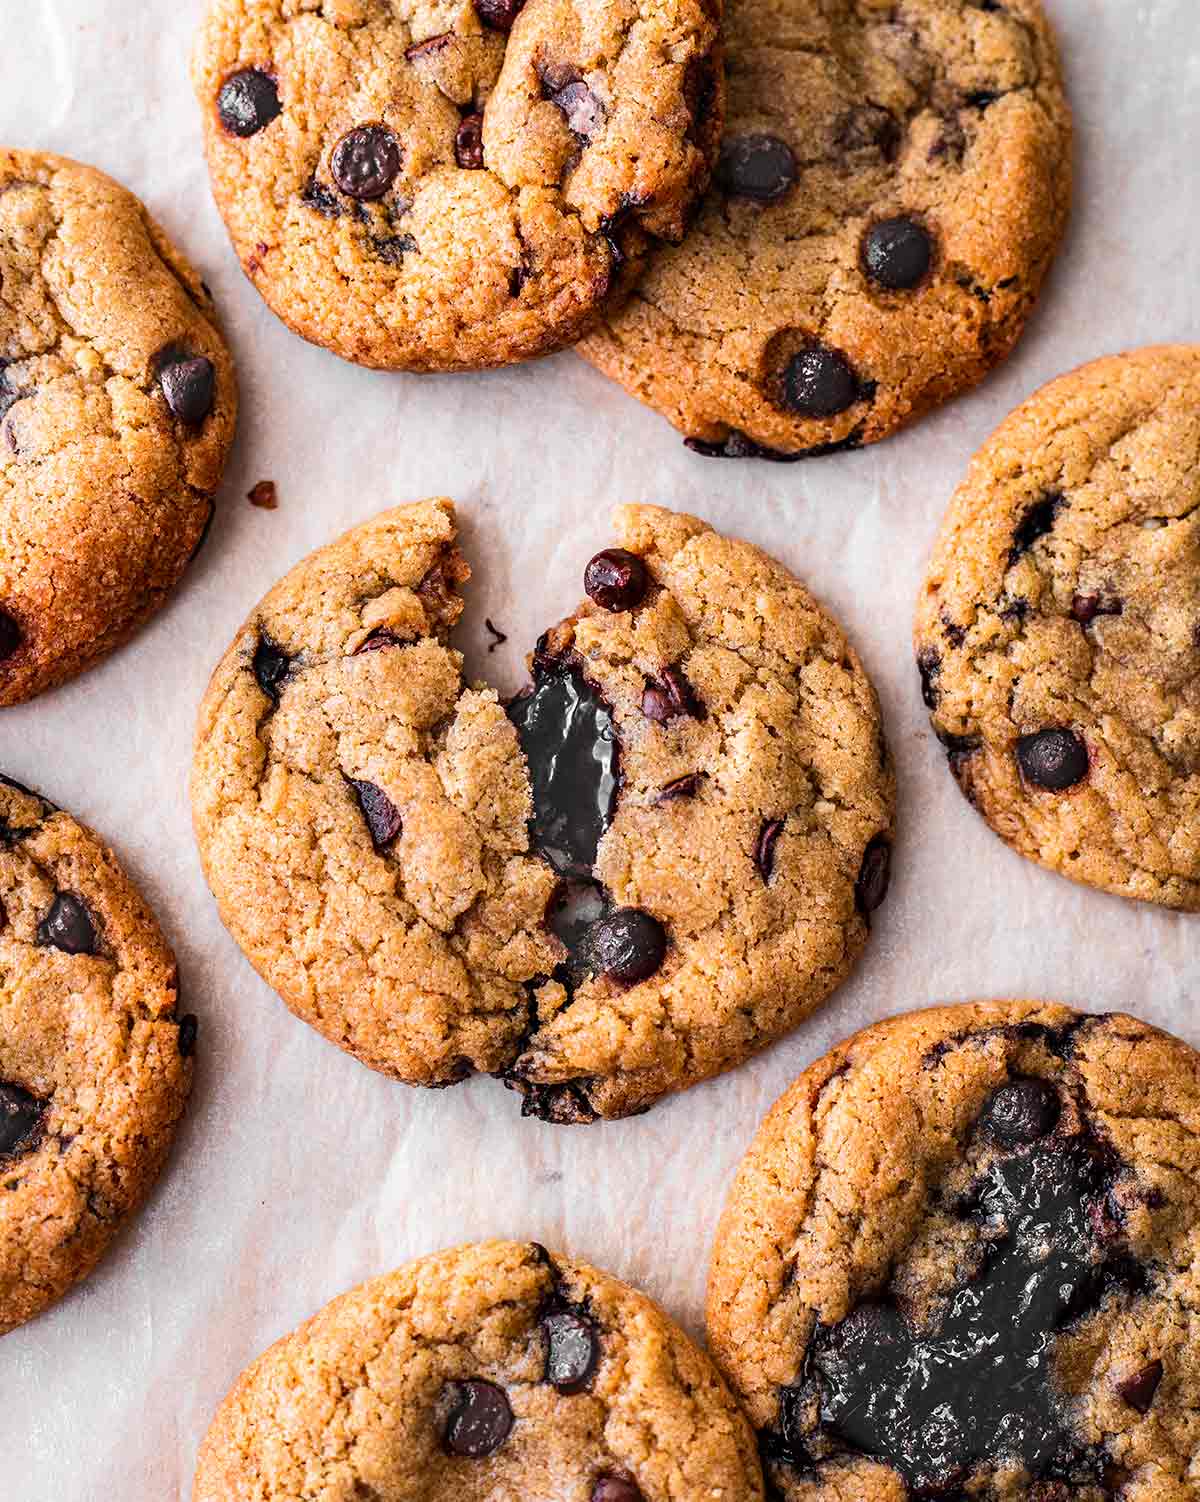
(977, 1389)
(576, 908)
(567, 735)
(21, 1118)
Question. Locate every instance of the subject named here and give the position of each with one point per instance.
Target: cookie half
(95, 1063)
(659, 859)
(893, 184)
(494, 1370)
(458, 186)
(959, 1260)
(1058, 628)
(117, 410)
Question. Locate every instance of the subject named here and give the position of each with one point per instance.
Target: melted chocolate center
(567, 735)
(977, 1389)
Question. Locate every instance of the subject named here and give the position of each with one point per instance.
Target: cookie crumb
(264, 496)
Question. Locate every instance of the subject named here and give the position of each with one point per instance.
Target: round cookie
(95, 1066)
(117, 409)
(893, 184)
(959, 1260)
(660, 859)
(449, 187)
(1058, 629)
(489, 1371)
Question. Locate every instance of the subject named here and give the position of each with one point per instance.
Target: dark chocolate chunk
(764, 848)
(564, 87)
(189, 1028)
(271, 666)
(674, 696)
(248, 102)
(897, 253)
(615, 1489)
(10, 635)
(628, 945)
(759, 167)
(615, 579)
(1056, 759)
(929, 665)
(189, 385)
(1139, 1389)
(1085, 608)
(738, 446)
(382, 815)
(564, 1104)
(499, 14)
(366, 162)
(874, 875)
(572, 1350)
(1037, 522)
(819, 382)
(21, 1118)
(480, 1420)
(680, 787)
(567, 734)
(468, 143)
(1020, 1112)
(68, 926)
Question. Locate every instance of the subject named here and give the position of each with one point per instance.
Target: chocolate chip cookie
(447, 187)
(657, 859)
(95, 1061)
(892, 186)
(494, 1370)
(960, 1260)
(1058, 629)
(117, 410)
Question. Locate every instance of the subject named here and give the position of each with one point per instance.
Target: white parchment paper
(298, 1172)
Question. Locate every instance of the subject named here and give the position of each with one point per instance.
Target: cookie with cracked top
(117, 410)
(892, 186)
(1058, 628)
(434, 187)
(468, 1349)
(958, 1260)
(95, 1060)
(655, 860)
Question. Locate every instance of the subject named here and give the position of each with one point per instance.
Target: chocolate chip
(584, 110)
(1020, 1112)
(189, 386)
(468, 143)
(819, 382)
(628, 945)
(759, 167)
(674, 696)
(1036, 523)
(867, 128)
(657, 705)
(21, 1117)
(897, 253)
(189, 1028)
(615, 1489)
(1055, 759)
(681, 787)
(1139, 1390)
(764, 848)
(248, 102)
(382, 815)
(929, 665)
(430, 47)
(271, 666)
(572, 1350)
(1085, 608)
(68, 926)
(365, 162)
(10, 635)
(499, 14)
(615, 579)
(874, 875)
(480, 1421)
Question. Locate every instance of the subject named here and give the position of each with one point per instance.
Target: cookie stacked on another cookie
(959, 1260)
(117, 411)
(1058, 630)
(495, 1370)
(661, 858)
(448, 187)
(893, 184)
(95, 1061)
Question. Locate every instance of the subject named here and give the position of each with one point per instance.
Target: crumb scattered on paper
(264, 495)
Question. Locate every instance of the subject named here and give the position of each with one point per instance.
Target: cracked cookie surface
(1058, 628)
(95, 1065)
(893, 183)
(959, 1261)
(679, 865)
(452, 185)
(492, 1371)
(117, 409)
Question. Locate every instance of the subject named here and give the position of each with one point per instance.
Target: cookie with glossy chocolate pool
(959, 1260)
(1058, 628)
(657, 859)
(893, 184)
(494, 1370)
(448, 187)
(95, 1059)
(117, 410)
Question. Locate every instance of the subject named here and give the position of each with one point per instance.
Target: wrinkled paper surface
(298, 1172)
